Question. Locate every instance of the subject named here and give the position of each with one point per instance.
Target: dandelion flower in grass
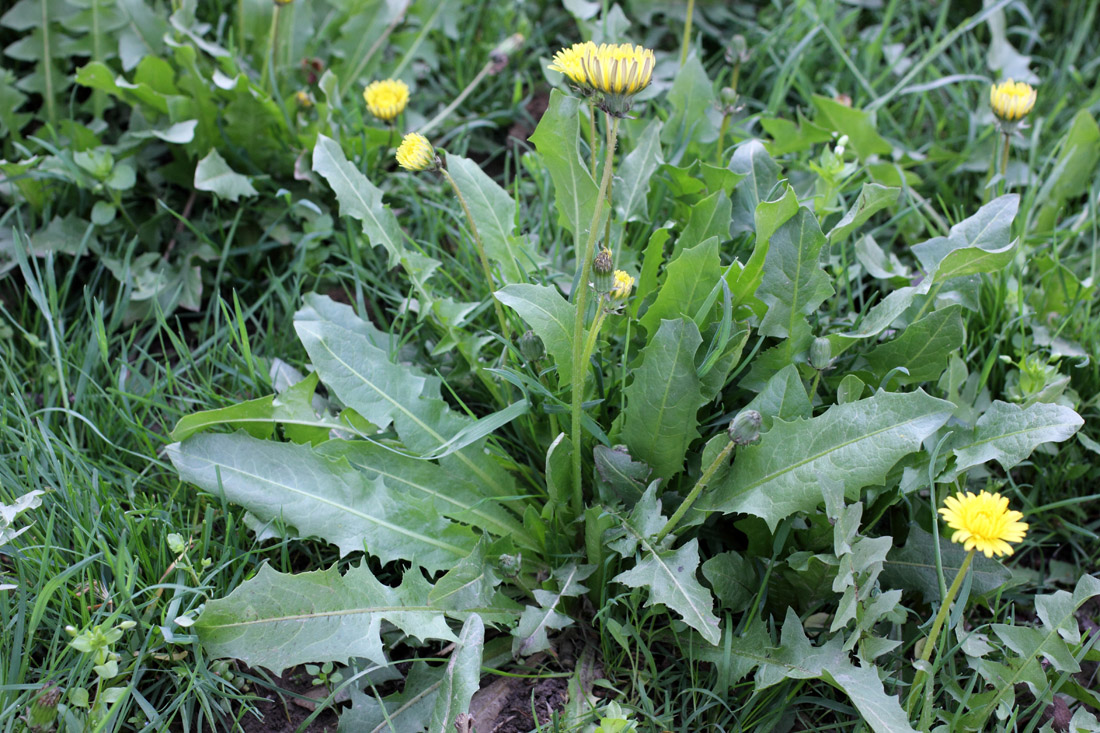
(568, 61)
(416, 154)
(1012, 100)
(386, 99)
(983, 522)
(621, 68)
(619, 71)
(621, 286)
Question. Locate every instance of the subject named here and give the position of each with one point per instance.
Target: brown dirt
(513, 699)
(280, 712)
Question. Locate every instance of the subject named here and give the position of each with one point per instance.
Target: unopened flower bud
(738, 50)
(821, 353)
(745, 428)
(531, 346)
(511, 564)
(603, 270)
(729, 96)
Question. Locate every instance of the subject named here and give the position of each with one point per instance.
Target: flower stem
(272, 40)
(593, 334)
(1004, 163)
(592, 133)
(722, 137)
(685, 43)
(695, 491)
(937, 626)
(580, 367)
(504, 330)
(240, 28)
(610, 185)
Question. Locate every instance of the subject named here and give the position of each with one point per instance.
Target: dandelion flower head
(386, 99)
(983, 522)
(621, 286)
(621, 68)
(415, 153)
(1012, 100)
(568, 61)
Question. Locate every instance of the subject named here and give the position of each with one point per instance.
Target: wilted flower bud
(531, 346)
(603, 270)
(821, 353)
(745, 428)
(42, 713)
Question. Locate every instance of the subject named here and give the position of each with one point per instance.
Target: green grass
(88, 397)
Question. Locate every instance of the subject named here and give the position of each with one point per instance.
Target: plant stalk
(373, 49)
(937, 626)
(504, 330)
(272, 40)
(1004, 163)
(580, 368)
(722, 137)
(696, 490)
(592, 133)
(685, 43)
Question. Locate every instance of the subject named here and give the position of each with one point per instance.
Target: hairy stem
(685, 43)
(504, 330)
(695, 491)
(580, 368)
(937, 626)
(272, 40)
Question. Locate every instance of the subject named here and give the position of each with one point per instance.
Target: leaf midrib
(811, 459)
(336, 505)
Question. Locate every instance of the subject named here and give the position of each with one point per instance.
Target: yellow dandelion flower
(303, 99)
(386, 99)
(621, 286)
(1012, 100)
(568, 61)
(618, 68)
(983, 522)
(416, 153)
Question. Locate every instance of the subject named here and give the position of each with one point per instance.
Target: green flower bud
(531, 346)
(821, 353)
(738, 50)
(510, 565)
(42, 713)
(603, 271)
(745, 428)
